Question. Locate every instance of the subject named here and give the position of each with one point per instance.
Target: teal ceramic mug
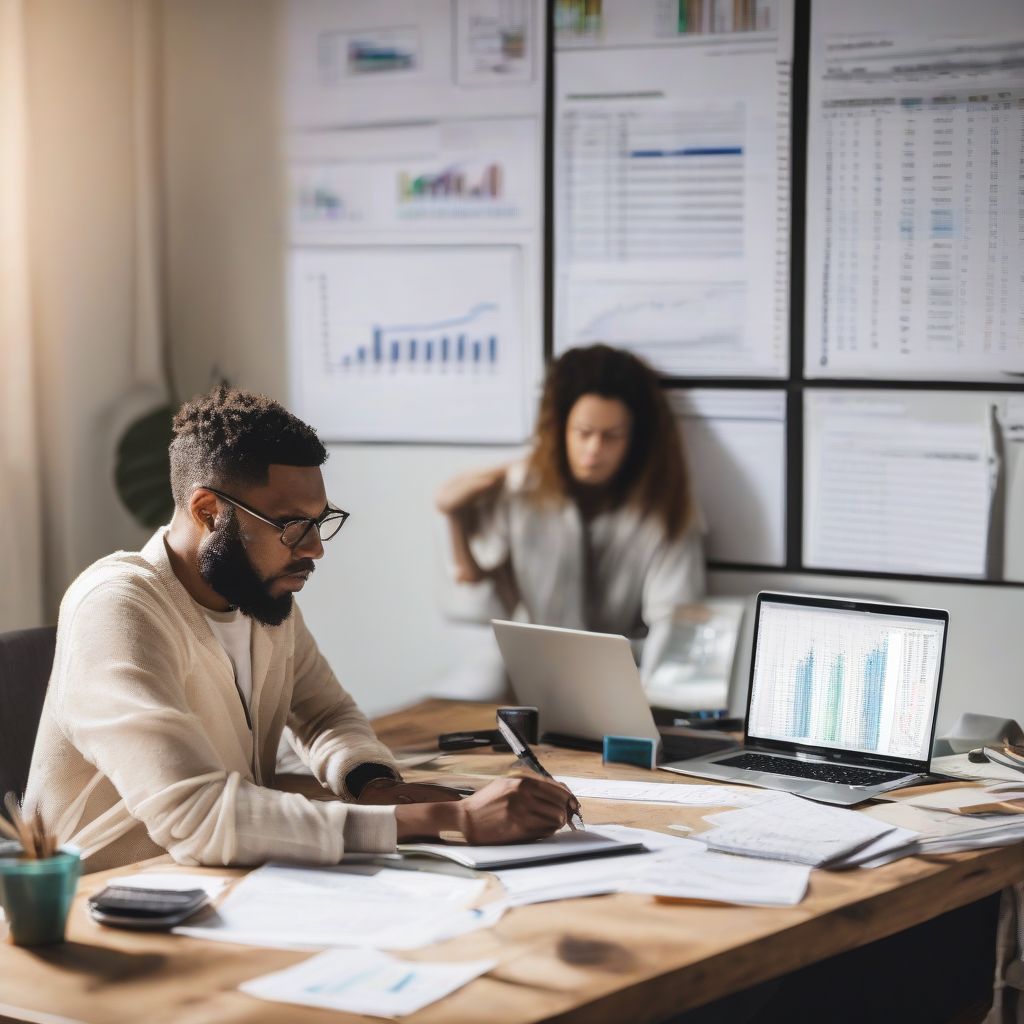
(36, 894)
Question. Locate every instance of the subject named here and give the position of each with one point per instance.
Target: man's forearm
(428, 821)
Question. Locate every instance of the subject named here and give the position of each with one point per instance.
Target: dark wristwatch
(358, 777)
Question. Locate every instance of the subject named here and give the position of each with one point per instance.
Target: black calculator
(128, 907)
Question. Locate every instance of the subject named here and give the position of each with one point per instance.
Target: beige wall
(81, 216)
(224, 203)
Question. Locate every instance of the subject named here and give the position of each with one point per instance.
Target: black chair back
(26, 658)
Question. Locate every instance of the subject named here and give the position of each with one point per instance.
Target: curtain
(21, 562)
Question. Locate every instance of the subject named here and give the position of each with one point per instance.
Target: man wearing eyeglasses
(178, 667)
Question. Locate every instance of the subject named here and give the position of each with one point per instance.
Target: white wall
(373, 603)
(984, 649)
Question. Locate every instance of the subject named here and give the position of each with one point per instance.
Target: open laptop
(842, 702)
(586, 686)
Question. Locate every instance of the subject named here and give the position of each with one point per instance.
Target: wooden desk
(603, 959)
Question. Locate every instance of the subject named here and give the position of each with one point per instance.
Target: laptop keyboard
(818, 771)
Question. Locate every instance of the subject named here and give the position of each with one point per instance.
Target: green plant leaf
(142, 470)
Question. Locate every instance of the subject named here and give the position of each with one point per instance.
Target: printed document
(288, 907)
(365, 981)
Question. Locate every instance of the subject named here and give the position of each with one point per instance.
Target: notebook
(842, 702)
(560, 846)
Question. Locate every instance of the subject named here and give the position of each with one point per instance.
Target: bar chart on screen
(445, 363)
(860, 682)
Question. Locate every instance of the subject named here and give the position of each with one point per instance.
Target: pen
(523, 752)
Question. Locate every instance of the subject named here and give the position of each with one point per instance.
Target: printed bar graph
(454, 182)
(417, 343)
(436, 344)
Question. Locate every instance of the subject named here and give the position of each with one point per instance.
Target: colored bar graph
(453, 182)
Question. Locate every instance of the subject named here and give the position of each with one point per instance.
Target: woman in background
(596, 529)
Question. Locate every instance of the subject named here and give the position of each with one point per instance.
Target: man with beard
(178, 667)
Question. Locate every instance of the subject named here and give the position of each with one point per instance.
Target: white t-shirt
(234, 632)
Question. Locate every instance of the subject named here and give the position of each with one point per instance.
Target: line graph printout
(412, 343)
(915, 261)
(850, 680)
(904, 482)
(735, 444)
(672, 190)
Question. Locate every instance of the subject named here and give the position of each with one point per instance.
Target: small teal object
(630, 750)
(36, 895)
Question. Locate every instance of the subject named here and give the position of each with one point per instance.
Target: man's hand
(392, 791)
(510, 810)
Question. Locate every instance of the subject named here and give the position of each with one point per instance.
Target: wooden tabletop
(600, 959)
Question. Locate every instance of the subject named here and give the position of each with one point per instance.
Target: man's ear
(202, 507)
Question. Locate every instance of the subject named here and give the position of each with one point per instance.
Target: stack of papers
(290, 907)
(672, 866)
(724, 878)
(950, 821)
(365, 981)
(803, 832)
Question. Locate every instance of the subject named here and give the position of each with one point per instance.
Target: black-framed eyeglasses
(295, 531)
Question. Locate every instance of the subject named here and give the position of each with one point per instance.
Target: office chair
(26, 658)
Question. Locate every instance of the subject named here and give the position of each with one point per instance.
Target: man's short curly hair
(229, 437)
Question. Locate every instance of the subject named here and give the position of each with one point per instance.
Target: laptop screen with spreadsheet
(850, 676)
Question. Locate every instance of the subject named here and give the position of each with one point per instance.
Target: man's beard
(224, 564)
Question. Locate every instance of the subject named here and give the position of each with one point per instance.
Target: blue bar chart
(456, 344)
(418, 343)
(845, 680)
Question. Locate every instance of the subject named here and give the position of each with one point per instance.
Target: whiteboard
(671, 146)
(914, 216)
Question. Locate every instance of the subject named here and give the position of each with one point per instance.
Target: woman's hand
(464, 489)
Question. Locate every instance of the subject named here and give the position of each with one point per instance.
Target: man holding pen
(178, 667)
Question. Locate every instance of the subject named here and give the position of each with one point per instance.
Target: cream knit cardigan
(144, 745)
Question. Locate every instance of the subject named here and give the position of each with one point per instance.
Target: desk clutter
(753, 848)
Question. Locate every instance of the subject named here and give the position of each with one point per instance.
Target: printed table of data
(916, 223)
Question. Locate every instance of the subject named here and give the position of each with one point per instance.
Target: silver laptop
(584, 685)
(842, 702)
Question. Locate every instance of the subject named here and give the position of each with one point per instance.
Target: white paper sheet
(365, 981)
(723, 878)
(666, 793)
(877, 465)
(350, 905)
(671, 188)
(907, 278)
(792, 829)
(570, 880)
